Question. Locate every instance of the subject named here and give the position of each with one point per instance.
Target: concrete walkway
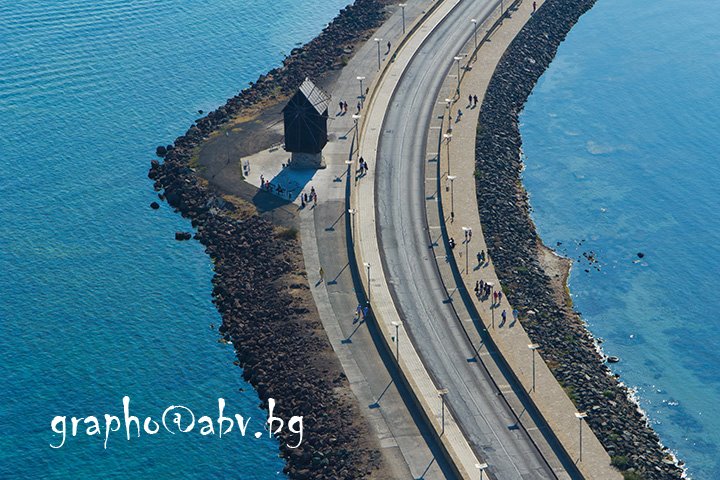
(407, 444)
(509, 336)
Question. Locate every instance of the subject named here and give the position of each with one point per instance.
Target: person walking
(469, 230)
(504, 316)
(322, 274)
(470, 101)
(475, 99)
(534, 7)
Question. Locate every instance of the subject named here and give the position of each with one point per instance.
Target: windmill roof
(317, 98)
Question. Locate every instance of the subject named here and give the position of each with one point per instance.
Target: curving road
(410, 264)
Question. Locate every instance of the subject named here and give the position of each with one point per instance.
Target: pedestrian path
(458, 200)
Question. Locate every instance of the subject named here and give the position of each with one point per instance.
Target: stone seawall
(260, 286)
(567, 346)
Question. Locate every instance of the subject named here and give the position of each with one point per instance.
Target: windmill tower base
(304, 161)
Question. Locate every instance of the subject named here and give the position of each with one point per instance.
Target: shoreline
(260, 286)
(569, 349)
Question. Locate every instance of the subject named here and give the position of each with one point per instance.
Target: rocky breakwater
(567, 346)
(260, 286)
(261, 290)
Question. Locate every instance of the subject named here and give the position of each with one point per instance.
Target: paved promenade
(406, 443)
(509, 336)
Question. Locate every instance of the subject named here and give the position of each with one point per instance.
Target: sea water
(98, 301)
(621, 137)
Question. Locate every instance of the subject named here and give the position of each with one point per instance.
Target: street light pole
(402, 5)
(457, 59)
(467, 243)
(452, 197)
(474, 22)
(367, 265)
(441, 393)
(362, 92)
(356, 119)
(352, 213)
(397, 339)
(533, 347)
(580, 416)
(377, 40)
(448, 137)
(492, 303)
(481, 467)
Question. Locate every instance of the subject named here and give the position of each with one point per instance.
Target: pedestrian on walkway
(499, 296)
(388, 51)
(475, 100)
(482, 255)
(504, 316)
(342, 104)
(495, 297)
(469, 232)
(359, 106)
(470, 101)
(479, 259)
(477, 287)
(262, 180)
(346, 107)
(534, 7)
(459, 116)
(302, 201)
(315, 199)
(365, 312)
(322, 274)
(515, 313)
(358, 310)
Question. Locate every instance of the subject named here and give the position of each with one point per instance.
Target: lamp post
(580, 416)
(467, 242)
(397, 339)
(362, 92)
(474, 22)
(402, 5)
(367, 265)
(352, 213)
(492, 304)
(533, 347)
(448, 137)
(441, 393)
(377, 41)
(452, 197)
(457, 59)
(356, 119)
(481, 467)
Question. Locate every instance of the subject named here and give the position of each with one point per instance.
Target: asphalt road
(410, 263)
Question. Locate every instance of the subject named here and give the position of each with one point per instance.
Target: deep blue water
(98, 299)
(621, 142)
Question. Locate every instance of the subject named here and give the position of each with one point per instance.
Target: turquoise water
(98, 299)
(621, 142)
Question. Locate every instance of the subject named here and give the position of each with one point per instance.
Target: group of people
(472, 101)
(481, 257)
(483, 290)
(361, 311)
(343, 107)
(306, 198)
